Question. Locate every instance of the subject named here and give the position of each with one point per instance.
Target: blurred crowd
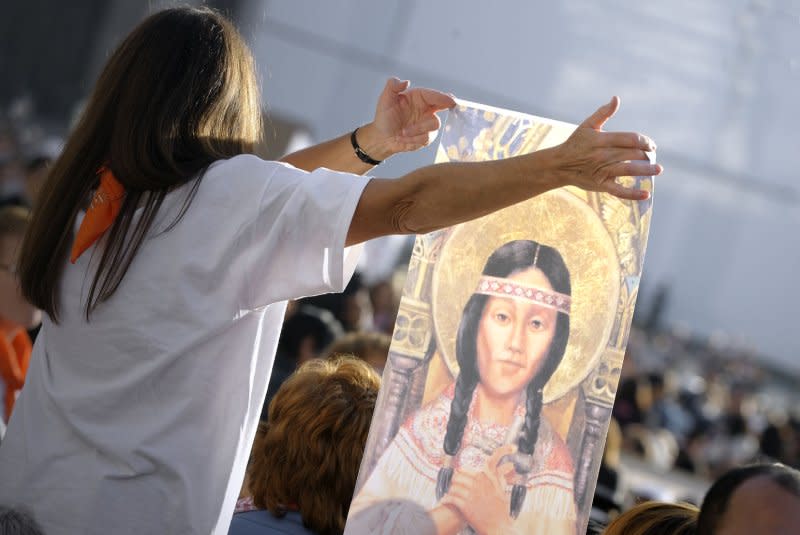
(692, 409)
(704, 407)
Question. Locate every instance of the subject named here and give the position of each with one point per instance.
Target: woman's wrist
(544, 169)
(373, 142)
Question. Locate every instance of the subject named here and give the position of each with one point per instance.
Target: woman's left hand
(481, 496)
(405, 119)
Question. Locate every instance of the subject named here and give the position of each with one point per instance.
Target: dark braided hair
(507, 260)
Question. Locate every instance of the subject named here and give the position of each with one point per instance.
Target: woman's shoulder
(245, 168)
(240, 186)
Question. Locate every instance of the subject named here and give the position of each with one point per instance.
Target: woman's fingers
(634, 168)
(630, 194)
(423, 126)
(625, 155)
(603, 114)
(435, 100)
(396, 85)
(626, 140)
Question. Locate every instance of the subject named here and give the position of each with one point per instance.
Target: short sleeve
(294, 246)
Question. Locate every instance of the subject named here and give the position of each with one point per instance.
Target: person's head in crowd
(655, 518)
(306, 334)
(17, 522)
(371, 347)
(759, 498)
(657, 383)
(11, 173)
(37, 164)
(772, 441)
(384, 306)
(633, 398)
(306, 458)
(349, 307)
(691, 456)
(13, 306)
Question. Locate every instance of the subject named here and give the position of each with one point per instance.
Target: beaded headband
(499, 287)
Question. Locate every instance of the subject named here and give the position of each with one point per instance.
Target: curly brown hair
(656, 518)
(308, 453)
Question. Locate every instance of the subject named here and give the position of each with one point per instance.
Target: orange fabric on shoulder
(15, 355)
(105, 206)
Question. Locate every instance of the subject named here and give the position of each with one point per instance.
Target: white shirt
(141, 420)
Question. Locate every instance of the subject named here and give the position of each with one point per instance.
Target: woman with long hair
(162, 253)
(481, 456)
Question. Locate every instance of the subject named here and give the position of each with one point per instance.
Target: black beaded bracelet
(363, 156)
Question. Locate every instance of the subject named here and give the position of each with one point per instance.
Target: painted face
(513, 338)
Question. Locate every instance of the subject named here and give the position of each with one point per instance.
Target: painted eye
(501, 317)
(536, 324)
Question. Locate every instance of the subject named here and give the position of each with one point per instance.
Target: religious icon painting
(505, 355)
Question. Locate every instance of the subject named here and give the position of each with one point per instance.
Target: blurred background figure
(305, 459)
(16, 315)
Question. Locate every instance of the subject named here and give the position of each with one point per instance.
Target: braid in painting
(466, 382)
(551, 263)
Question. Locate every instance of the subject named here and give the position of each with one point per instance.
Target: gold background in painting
(558, 219)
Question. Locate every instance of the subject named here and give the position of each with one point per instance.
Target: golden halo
(558, 219)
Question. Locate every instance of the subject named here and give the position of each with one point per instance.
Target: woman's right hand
(592, 159)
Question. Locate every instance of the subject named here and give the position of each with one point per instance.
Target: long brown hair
(179, 93)
(308, 454)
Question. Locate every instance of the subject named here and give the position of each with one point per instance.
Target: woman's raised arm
(405, 120)
(442, 195)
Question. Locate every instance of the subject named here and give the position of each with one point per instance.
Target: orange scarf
(15, 355)
(105, 206)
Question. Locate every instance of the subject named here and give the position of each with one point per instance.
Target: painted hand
(481, 497)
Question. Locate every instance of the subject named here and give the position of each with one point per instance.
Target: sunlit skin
(513, 339)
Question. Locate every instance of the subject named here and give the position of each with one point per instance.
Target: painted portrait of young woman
(506, 345)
